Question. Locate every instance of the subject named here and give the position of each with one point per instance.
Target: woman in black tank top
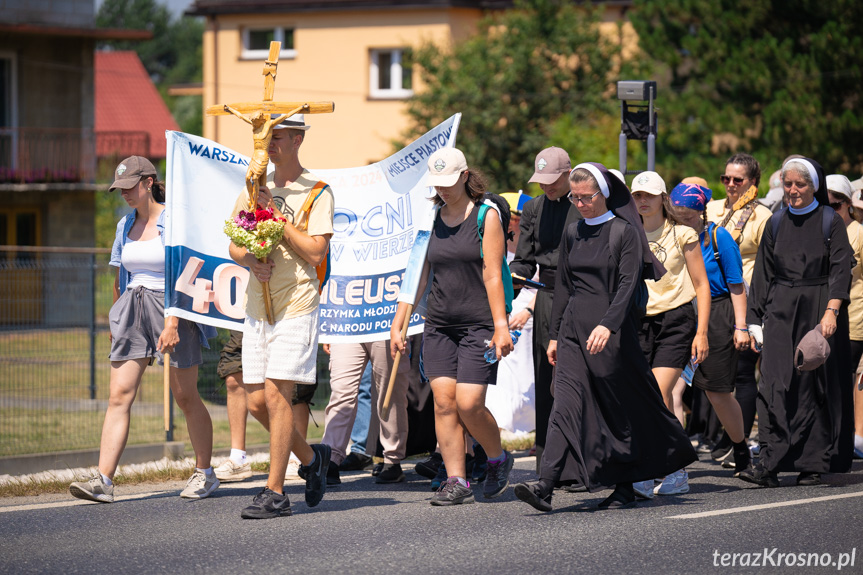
(466, 315)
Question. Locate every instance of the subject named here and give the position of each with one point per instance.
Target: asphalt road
(363, 527)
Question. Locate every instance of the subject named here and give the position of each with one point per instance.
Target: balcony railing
(119, 145)
(46, 155)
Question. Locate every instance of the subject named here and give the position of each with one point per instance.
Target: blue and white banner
(379, 211)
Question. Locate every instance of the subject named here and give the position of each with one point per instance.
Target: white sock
(208, 471)
(858, 442)
(105, 479)
(238, 456)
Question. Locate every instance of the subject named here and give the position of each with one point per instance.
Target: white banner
(379, 210)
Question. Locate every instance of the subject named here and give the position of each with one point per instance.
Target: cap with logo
(295, 122)
(549, 165)
(130, 171)
(649, 182)
(445, 166)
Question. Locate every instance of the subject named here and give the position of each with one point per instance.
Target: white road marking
(765, 506)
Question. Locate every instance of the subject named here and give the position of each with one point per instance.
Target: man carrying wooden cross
(280, 356)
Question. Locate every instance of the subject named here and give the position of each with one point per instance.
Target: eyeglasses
(581, 200)
(728, 179)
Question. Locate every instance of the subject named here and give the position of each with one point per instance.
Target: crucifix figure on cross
(260, 115)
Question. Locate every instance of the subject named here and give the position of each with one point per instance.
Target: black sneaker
(356, 462)
(391, 473)
(480, 464)
(316, 484)
(428, 467)
(376, 470)
(759, 476)
(807, 478)
(530, 494)
(333, 477)
(452, 492)
(498, 477)
(266, 505)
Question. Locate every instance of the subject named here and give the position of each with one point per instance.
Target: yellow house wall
(332, 63)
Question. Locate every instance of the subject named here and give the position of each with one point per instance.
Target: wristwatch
(530, 310)
(834, 310)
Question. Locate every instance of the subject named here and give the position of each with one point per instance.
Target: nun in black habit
(609, 425)
(802, 279)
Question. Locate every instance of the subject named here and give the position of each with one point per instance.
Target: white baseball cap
(445, 167)
(649, 182)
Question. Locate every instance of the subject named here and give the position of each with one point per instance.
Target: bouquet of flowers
(258, 231)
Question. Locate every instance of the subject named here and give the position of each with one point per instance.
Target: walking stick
(385, 411)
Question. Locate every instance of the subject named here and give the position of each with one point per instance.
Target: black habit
(609, 424)
(805, 420)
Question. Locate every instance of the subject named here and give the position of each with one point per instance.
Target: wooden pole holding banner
(166, 380)
(385, 411)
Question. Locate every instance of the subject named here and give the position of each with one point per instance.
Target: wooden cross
(258, 114)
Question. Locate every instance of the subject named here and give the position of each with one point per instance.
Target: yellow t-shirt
(855, 308)
(294, 282)
(674, 288)
(751, 237)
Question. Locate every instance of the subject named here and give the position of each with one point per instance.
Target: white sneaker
(643, 489)
(229, 471)
(293, 471)
(200, 486)
(674, 484)
(94, 489)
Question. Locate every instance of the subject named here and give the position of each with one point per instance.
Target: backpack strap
(480, 221)
(305, 211)
(715, 245)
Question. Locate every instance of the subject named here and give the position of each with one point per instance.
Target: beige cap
(549, 165)
(130, 171)
(445, 166)
(649, 182)
(812, 351)
(698, 181)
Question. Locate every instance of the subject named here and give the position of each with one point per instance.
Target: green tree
(524, 69)
(769, 77)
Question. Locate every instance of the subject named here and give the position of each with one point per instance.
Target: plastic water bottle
(689, 372)
(491, 354)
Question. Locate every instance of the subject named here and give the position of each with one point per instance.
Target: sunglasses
(728, 179)
(837, 205)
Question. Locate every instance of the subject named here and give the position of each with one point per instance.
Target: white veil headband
(600, 179)
(808, 165)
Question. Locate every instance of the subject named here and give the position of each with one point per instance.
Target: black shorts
(231, 361)
(666, 338)
(719, 370)
(457, 353)
(231, 356)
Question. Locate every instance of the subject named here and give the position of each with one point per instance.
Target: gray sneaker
(497, 479)
(200, 486)
(452, 492)
(93, 490)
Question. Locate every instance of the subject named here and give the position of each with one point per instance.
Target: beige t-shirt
(674, 288)
(751, 237)
(294, 282)
(855, 308)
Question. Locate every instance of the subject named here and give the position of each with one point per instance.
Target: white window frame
(12, 128)
(391, 93)
(278, 35)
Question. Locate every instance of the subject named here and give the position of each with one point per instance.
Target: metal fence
(54, 368)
